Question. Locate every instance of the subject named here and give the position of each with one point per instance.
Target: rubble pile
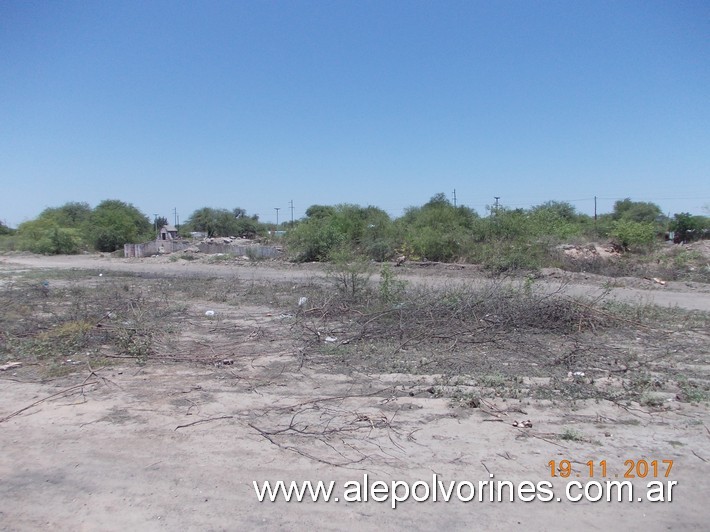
(590, 251)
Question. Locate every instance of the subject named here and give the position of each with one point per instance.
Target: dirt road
(691, 296)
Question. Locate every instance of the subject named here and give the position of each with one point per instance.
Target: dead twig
(696, 454)
(268, 437)
(203, 421)
(58, 394)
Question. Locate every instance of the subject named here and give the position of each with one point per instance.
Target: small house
(168, 232)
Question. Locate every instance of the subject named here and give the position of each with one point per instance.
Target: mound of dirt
(591, 251)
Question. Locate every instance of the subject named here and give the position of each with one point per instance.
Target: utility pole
(291, 204)
(175, 216)
(454, 197)
(595, 215)
(155, 223)
(277, 209)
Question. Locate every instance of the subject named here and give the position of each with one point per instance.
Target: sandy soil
(176, 446)
(688, 295)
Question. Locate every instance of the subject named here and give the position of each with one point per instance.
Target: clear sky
(252, 104)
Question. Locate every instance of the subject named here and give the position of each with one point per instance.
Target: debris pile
(590, 251)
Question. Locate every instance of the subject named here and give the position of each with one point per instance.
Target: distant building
(168, 232)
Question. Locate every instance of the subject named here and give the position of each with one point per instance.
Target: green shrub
(349, 273)
(391, 289)
(501, 257)
(314, 240)
(633, 235)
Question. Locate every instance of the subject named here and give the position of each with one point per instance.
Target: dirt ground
(175, 444)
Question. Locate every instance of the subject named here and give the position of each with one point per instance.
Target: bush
(350, 274)
(314, 240)
(502, 257)
(113, 223)
(46, 237)
(437, 230)
(58, 241)
(633, 235)
(366, 231)
(391, 289)
(5, 230)
(688, 227)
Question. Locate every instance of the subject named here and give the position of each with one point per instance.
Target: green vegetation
(328, 231)
(569, 434)
(113, 223)
(688, 227)
(5, 230)
(633, 235)
(75, 227)
(502, 240)
(223, 222)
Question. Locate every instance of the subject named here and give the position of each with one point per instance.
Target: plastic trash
(209, 313)
(302, 301)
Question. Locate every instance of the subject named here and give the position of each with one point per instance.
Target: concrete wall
(148, 249)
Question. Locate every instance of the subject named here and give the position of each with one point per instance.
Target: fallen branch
(268, 437)
(58, 394)
(335, 398)
(203, 421)
(696, 454)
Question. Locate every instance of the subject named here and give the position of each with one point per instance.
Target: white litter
(209, 313)
(302, 301)
(330, 339)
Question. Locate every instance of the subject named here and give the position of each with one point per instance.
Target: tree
(688, 227)
(559, 209)
(214, 222)
(320, 211)
(160, 222)
(329, 230)
(555, 219)
(72, 214)
(57, 230)
(223, 222)
(5, 230)
(114, 223)
(45, 236)
(637, 211)
(437, 230)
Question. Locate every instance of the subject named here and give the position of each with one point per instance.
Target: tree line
(438, 230)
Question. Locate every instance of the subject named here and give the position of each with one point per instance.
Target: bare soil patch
(152, 393)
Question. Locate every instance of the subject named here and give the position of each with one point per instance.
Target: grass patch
(569, 434)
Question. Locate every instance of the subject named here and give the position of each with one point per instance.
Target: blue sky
(252, 104)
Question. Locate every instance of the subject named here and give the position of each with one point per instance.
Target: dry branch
(203, 421)
(58, 394)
